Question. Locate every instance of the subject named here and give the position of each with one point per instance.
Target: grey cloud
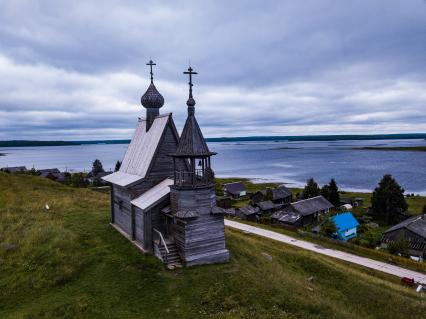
(75, 69)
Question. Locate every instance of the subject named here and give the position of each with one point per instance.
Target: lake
(281, 161)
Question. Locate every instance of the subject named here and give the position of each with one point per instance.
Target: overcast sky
(76, 69)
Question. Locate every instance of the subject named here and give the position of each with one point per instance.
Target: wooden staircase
(171, 258)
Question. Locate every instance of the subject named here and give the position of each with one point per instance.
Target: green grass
(70, 263)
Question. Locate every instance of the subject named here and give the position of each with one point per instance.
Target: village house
(346, 225)
(281, 195)
(413, 230)
(235, 190)
(278, 195)
(266, 207)
(303, 212)
(53, 173)
(248, 213)
(14, 169)
(163, 196)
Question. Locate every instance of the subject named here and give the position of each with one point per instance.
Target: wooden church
(163, 197)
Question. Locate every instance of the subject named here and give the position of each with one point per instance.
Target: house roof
(234, 188)
(185, 214)
(280, 192)
(153, 195)
(416, 224)
(266, 205)
(140, 152)
(286, 215)
(14, 169)
(248, 210)
(311, 205)
(345, 221)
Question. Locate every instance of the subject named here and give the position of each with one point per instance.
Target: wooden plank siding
(202, 239)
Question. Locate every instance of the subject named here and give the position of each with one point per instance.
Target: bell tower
(199, 224)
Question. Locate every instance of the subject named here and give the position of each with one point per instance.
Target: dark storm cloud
(76, 69)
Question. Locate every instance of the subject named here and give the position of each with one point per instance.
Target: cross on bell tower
(191, 101)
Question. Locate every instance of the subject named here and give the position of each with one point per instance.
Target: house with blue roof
(346, 225)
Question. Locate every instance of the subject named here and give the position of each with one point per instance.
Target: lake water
(288, 162)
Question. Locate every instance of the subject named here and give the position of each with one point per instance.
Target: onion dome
(152, 99)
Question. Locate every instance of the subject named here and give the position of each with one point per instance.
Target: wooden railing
(162, 242)
(199, 177)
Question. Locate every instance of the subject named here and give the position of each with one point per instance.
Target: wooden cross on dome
(190, 72)
(150, 63)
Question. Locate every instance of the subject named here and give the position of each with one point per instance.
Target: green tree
(388, 200)
(328, 228)
(311, 189)
(117, 166)
(331, 192)
(334, 196)
(97, 167)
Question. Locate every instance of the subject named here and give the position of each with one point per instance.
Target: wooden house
(281, 195)
(278, 195)
(248, 213)
(258, 196)
(346, 225)
(266, 207)
(163, 197)
(14, 169)
(413, 230)
(235, 190)
(302, 212)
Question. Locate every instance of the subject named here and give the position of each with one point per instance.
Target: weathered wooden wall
(200, 240)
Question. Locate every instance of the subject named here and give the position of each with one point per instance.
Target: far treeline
(22, 143)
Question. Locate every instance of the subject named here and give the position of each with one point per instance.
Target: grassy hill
(67, 262)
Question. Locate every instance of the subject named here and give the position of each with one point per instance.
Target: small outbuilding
(235, 190)
(346, 225)
(281, 195)
(248, 213)
(266, 207)
(345, 207)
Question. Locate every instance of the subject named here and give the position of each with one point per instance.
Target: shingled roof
(280, 192)
(311, 205)
(191, 142)
(416, 224)
(140, 152)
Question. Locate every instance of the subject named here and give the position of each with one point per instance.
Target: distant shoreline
(306, 138)
(397, 148)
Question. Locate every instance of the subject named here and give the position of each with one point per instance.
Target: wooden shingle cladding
(134, 179)
(200, 240)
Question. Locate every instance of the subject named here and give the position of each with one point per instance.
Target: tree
(117, 166)
(334, 196)
(331, 192)
(97, 167)
(388, 200)
(311, 189)
(328, 228)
